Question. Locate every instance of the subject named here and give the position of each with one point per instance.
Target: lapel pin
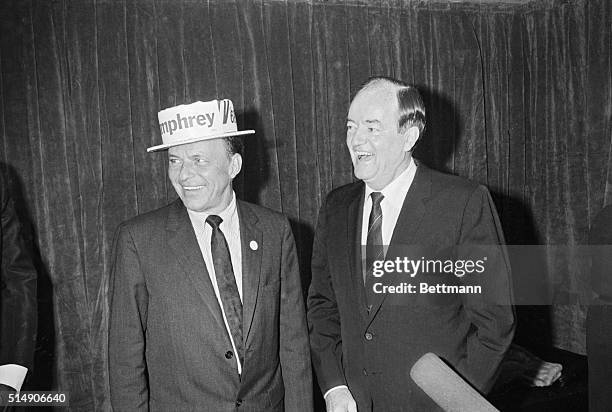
(253, 245)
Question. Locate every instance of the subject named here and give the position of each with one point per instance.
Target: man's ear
(235, 165)
(411, 135)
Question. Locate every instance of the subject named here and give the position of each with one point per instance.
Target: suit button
(229, 354)
(238, 402)
(369, 336)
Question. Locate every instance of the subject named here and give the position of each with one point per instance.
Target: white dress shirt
(13, 375)
(231, 230)
(394, 195)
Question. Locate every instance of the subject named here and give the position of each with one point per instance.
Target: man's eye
(174, 161)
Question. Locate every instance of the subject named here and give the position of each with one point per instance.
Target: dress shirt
(231, 230)
(394, 194)
(13, 375)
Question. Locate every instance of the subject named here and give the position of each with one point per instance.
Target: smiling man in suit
(364, 341)
(207, 310)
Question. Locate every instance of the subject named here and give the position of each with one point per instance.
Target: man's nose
(186, 171)
(359, 137)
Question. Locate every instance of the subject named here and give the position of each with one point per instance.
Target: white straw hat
(188, 123)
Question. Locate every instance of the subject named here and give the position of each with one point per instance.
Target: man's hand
(340, 400)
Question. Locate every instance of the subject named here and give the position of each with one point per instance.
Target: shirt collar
(226, 214)
(395, 192)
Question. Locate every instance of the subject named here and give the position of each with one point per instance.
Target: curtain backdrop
(519, 98)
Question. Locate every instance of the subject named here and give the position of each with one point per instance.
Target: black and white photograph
(306, 205)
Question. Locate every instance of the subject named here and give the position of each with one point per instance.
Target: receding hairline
(386, 86)
(386, 90)
(383, 83)
(406, 97)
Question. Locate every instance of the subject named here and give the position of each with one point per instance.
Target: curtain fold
(519, 98)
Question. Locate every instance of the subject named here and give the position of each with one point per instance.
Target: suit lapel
(184, 246)
(408, 222)
(251, 264)
(353, 239)
(413, 209)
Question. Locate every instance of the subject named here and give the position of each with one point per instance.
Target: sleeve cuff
(13, 375)
(333, 389)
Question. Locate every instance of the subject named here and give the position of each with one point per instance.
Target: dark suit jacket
(18, 288)
(167, 339)
(373, 352)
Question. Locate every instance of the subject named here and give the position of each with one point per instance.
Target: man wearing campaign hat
(206, 303)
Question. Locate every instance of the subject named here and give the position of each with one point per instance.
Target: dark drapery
(519, 97)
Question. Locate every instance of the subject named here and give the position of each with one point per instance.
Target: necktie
(374, 247)
(230, 298)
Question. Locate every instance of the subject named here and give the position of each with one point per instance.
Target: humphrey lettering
(170, 126)
(206, 119)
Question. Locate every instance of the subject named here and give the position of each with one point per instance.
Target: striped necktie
(228, 290)
(374, 247)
